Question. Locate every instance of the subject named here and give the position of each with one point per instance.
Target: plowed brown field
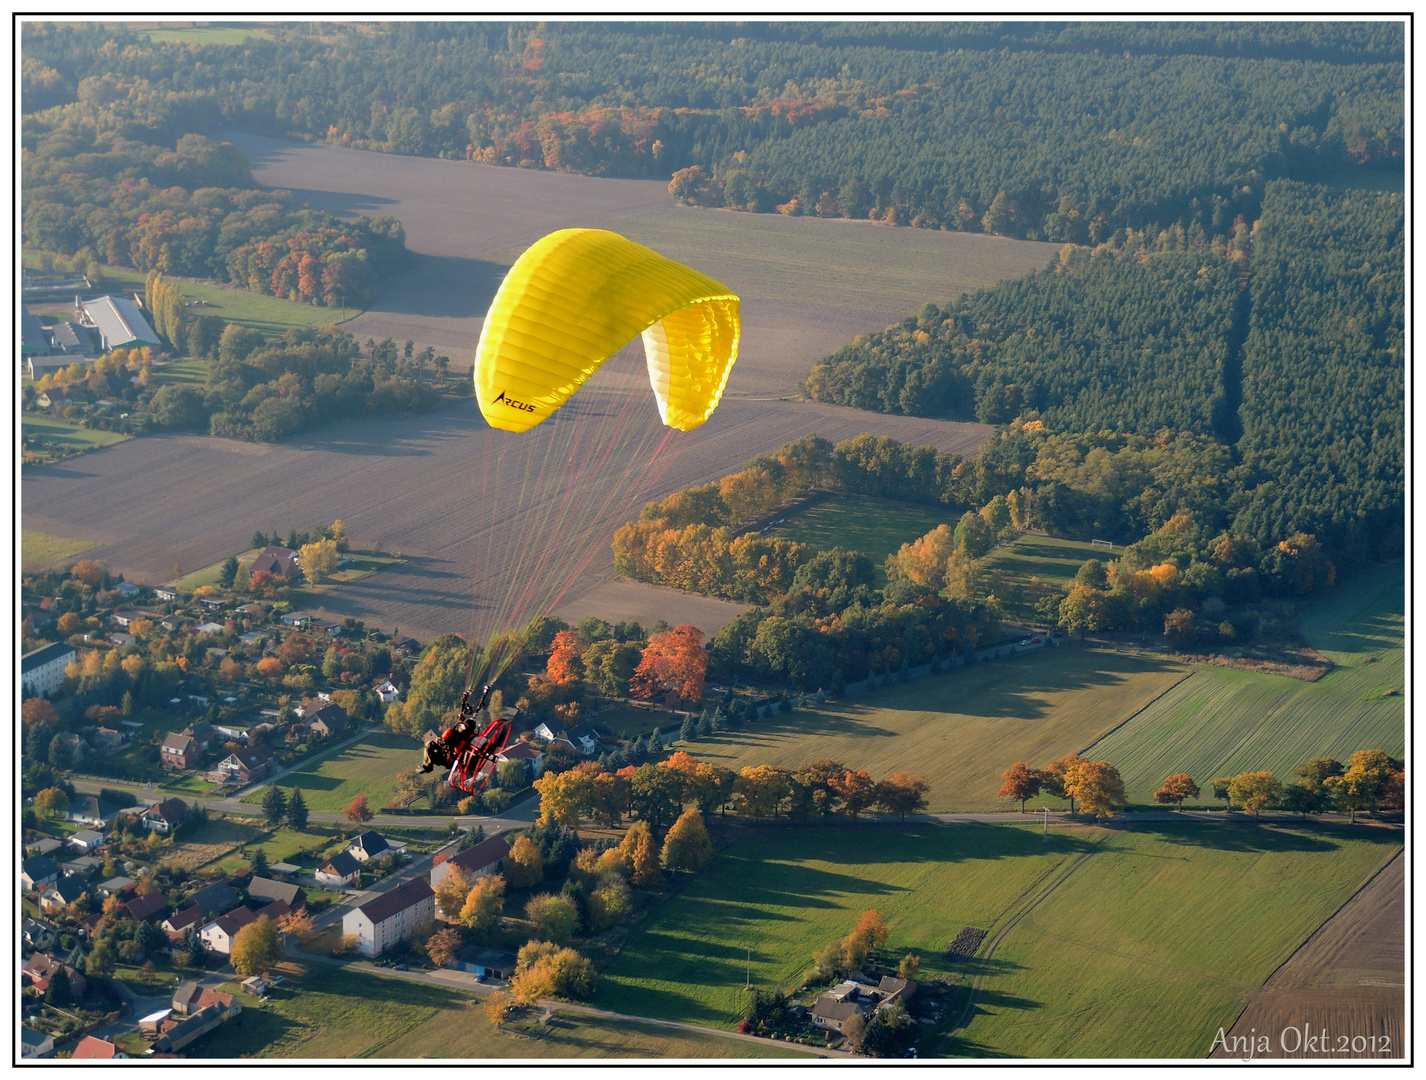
(1343, 992)
(412, 483)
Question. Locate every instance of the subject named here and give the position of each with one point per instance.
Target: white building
(391, 917)
(42, 669)
(118, 321)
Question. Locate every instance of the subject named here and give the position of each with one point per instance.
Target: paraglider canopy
(575, 298)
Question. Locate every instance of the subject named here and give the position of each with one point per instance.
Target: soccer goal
(1101, 543)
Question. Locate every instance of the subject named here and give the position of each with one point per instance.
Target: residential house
(174, 623)
(88, 810)
(185, 998)
(115, 886)
(53, 398)
(386, 691)
(524, 753)
(127, 590)
(38, 871)
(228, 1005)
(253, 611)
(218, 935)
(44, 846)
(329, 720)
(244, 766)
(127, 618)
(40, 968)
(74, 746)
(164, 817)
(477, 861)
(205, 629)
(180, 751)
(323, 627)
(118, 321)
(546, 733)
(86, 841)
(298, 620)
(279, 562)
(204, 732)
(165, 592)
(585, 739)
(37, 934)
(261, 888)
(177, 923)
(853, 998)
(42, 669)
(341, 869)
(212, 603)
(34, 1043)
(372, 845)
(391, 917)
(256, 985)
(251, 638)
(184, 1032)
(151, 904)
(83, 866)
(108, 738)
(152, 1025)
(275, 910)
(216, 899)
(486, 963)
(284, 870)
(92, 1048)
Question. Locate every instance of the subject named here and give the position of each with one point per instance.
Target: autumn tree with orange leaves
(674, 665)
(1020, 782)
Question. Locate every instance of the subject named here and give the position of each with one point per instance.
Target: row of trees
(1370, 780)
(954, 128)
(1096, 785)
(657, 792)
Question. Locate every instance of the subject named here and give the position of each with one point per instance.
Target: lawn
(628, 722)
(1220, 721)
(368, 768)
(1008, 571)
(876, 527)
(964, 728)
(41, 550)
(785, 892)
(1160, 936)
(205, 35)
(212, 841)
(324, 1011)
(68, 435)
(182, 372)
(283, 845)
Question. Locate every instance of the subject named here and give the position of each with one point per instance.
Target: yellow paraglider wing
(579, 295)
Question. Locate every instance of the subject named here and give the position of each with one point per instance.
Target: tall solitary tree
(256, 948)
(687, 847)
(358, 811)
(1175, 789)
(1020, 782)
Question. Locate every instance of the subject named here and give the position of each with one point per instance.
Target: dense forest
(1059, 131)
(1279, 345)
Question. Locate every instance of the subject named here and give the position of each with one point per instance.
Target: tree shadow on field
(762, 884)
(446, 286)
(1019, 686)
(344, 204)
(881, 842)
(1251, 836)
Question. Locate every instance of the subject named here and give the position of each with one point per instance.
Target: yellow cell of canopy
(579, 295)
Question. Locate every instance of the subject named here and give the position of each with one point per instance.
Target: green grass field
(324, 1011)
(67, 434)
(785, 892)
(964, 728)
(1008, 571)
(1159, 937)
(1115, 943)
(40, 549)
(205, 35)
(876, 527)
(182, 373)
(368, 768)
(1220, 721)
